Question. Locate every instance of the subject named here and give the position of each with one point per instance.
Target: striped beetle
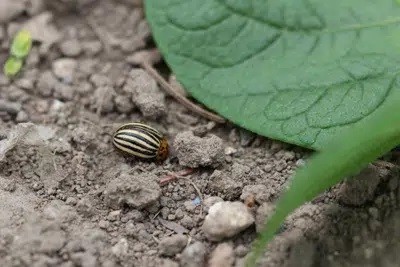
(140, 140)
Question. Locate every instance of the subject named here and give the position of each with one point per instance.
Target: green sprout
(20, 48)
(12, 66)
(21, 44)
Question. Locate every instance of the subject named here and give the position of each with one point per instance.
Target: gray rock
(64, 69)
(145, 94)
(172, 245)
(137, 191)
(193, 255)
(222, 256)
(71, 48)
(46, 83)
(226, 219)
(193, 151)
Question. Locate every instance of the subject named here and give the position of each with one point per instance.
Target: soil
(68, 198)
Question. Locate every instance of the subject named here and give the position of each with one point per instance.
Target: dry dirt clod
(64, 69)
(145, 94)
(223, 183)
(226, 219)
(10, 9)
(137, 191)
(102, 99)
(193, 255)
(361, 188)
(302, 254)
(170, 246)
(120, 249)
(259, 191)
(193, 151)
(46, 83)
(42, 30)
(222, 256)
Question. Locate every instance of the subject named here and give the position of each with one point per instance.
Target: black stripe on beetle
(140, 140)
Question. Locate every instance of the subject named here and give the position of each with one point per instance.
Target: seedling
(20, 48)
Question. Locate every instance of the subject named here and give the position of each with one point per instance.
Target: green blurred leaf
(12, 66)
(297, 71)
(344, 156)
(21, 44)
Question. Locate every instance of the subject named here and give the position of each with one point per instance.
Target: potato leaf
(297, 71)
(344, 156)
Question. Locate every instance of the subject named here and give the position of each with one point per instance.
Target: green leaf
(12, 66)
(297, 71)
(21, 44)
(347, 154)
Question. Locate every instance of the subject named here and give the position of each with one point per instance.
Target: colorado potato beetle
(140, 140)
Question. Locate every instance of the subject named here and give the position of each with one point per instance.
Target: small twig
(155, 216)
(181, 99)
(156, 239)
(197, 191)
(194, 186)
(189, 240)
(173, 176)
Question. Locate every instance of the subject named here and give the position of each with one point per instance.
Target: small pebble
(226, 219)
(170, 246)
(22, 116)
(64, 69)
(209, 201)
(71, 48)
(71, 201)
(114, 215)
(222, 256)
(103, 224)
(193, 255)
